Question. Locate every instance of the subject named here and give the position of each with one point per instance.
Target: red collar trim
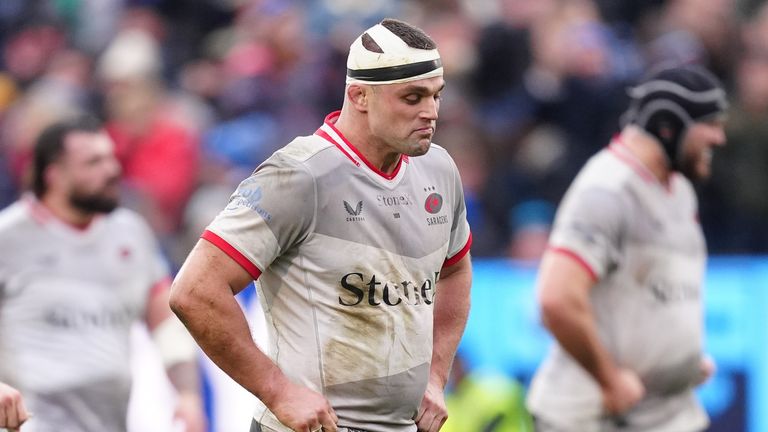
(42, 215)
(330, 121)
(323, 134)
(622, 152)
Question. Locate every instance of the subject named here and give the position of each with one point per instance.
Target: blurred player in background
(620, 286)
(359, 240)
(76, 272)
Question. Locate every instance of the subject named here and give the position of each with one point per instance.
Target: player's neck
(375, 153)
(60, 207)
(648, 151)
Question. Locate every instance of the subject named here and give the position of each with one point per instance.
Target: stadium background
(197, 92)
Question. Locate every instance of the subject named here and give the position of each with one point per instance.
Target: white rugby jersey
(68, 297)
(642, 242)
(347, 259)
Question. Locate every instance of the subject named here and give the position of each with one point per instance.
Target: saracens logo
(355, 214)
(433, 203)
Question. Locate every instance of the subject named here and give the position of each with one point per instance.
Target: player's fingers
(12, 414)
(334, 417)
(440, 422)
(328, 427)
(328, 422)
(24, 415)
(438, 419)
(422, 410)
(425, 422)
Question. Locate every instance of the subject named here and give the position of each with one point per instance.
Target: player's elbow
(553, 306)
(181, 300)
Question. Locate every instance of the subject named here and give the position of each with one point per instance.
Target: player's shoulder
(302, 155)
(288, 167)
(301, 149)
(14, 217)
(436, 158)
(125, 218)
(438, 153)
(606, 171)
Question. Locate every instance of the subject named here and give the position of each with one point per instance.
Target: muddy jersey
(68, 298)
(347, 260)
(642, 242)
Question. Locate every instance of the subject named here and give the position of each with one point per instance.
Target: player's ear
(359, 95)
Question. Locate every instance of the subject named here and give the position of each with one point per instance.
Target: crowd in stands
(196, 93)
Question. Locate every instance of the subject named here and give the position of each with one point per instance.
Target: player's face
(91, 172)
(698, 146)
(403, 116)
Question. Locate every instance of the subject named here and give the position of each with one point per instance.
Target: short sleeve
(269, 212)
(589, 227)
(461, 236)
(154, 268)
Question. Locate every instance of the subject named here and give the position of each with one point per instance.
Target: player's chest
(116, 264)
(420, 204)
(666, 222)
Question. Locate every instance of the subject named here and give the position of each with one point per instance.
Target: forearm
(573, 325)
(177, 350)
(450, 317)
(185, 377)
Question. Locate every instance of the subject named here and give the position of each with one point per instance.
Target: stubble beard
(98, 202)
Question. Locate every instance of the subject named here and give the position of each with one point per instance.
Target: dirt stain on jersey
(377, 341)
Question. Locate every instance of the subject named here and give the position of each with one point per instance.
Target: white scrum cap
(398, 63)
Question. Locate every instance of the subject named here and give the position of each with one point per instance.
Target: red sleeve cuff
(233, 253)
(456, 258)
(576, 257)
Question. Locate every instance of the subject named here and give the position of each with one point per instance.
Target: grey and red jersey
(347, 260)
(68, 299)
(642, 243)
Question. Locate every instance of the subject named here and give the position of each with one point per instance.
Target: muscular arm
(450, 318)
(563, 294)
(451, 312)
(202, 296)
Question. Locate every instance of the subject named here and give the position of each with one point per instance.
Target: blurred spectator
(27, 52)
(564, 105)
(8, 93)
(159, 156)
(531, 223)
(470, 154)
(63, 89)
(484, 401)
(693, 31)
(241, 76)
(735, 203)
